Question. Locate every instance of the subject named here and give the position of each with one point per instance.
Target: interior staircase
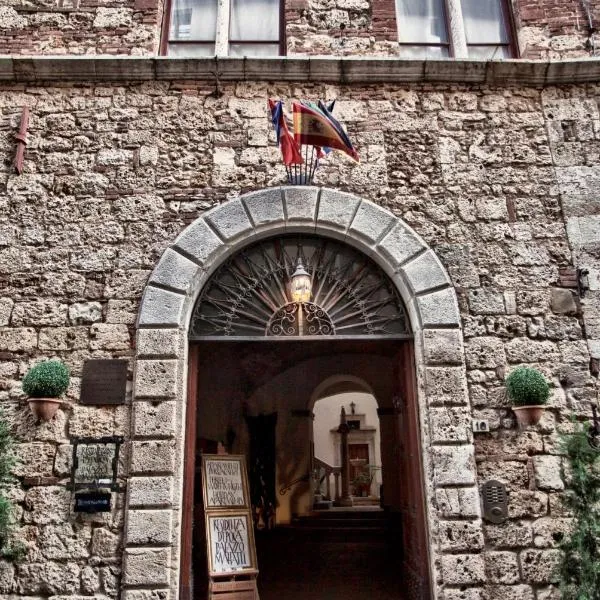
(349, 554)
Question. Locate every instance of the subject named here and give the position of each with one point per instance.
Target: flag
(326, 110)
(289, 148)
(313, 127)
(327, 149)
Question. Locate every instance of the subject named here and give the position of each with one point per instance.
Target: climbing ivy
(580, 565)
(8, 548)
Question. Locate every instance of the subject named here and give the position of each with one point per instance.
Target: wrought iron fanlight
(299, 285)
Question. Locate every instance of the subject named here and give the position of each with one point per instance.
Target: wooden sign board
(224, 482)
(103, 382)
(230, 540)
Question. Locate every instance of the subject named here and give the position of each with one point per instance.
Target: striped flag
(289, 149)
(315, 127)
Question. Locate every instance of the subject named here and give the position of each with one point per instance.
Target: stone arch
(338, 384)
(153, 512)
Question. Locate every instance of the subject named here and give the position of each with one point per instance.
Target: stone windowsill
(23, 69)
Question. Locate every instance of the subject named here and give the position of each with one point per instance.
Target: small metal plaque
(103, 382)
(92, 502)
(495, 501)
(95, 463)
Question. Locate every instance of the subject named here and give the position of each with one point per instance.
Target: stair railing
(323, 471)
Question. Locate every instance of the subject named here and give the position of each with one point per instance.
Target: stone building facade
(476, 190)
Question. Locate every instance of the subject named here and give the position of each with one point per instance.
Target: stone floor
(337, 557)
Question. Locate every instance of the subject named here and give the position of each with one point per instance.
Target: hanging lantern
(300, 286)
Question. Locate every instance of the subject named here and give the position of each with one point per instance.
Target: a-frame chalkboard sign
(230, 547)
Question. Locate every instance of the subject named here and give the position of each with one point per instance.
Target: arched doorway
(274, 322)
(162, 463)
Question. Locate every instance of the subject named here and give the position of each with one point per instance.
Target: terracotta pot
(44, 409)
(528, 415)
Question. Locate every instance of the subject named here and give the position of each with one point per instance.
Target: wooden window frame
(508, 18)
(166, 26)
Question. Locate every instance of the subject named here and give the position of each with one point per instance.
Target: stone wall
(113, 173)
(551, 29)
(78, 27)
(546, 29)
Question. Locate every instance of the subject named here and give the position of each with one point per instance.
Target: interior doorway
(257, 399)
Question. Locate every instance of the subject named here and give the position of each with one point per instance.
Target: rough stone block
(161, 307)
(230, 220)
(547, 473)
(145, 567)
(540, 566)
(336, 209)
(510, 534)
(400, 244)
(439, 309)
(18, 339)
(527, 504)
(510, 592)
(83, 313)
(458, 502)
(150, 491)
(453, 465)
(107, 336)
(153, 457)
(425, 272)
(450, 424)
(35, 459)
(47, 505)
(485, 353)
(265, 206)
(563, 302)
(523, 350)
(156, 379)
(301, 203)
(176, 272)
(549, 531)
(371, 221)
(463, 569)
(502, 567)
(483, 301)
(146, 595)
(445, 386)
(199, 241)
(149, 527)
(159, 342)
(461, 536)
(154, 419)
(98, 421)
(442, 347)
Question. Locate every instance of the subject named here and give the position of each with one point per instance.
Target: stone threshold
(91, 69)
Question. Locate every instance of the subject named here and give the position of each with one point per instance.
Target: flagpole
(306, 166)
(313, 168)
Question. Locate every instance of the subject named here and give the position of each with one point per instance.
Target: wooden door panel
(415, 555)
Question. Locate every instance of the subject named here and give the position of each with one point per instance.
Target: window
(460, 28)
(224, 28)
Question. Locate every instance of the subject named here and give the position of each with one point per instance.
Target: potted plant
(528, 391)
(44, 384)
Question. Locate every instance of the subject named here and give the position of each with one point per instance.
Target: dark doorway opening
(376, 551)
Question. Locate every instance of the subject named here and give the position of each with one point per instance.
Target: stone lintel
(344, 70)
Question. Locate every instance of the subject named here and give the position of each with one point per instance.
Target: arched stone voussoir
(425, 272)
(265, 207)
(371, 222)
(230, 220)
(176, 272)
(300, 204)
(198, 242)
(438, 309)
(162, 308)
(336, 210)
